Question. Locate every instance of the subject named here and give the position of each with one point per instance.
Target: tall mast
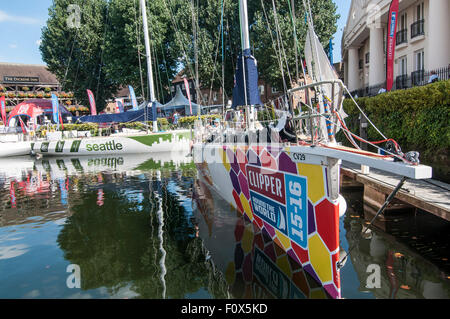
(245, 40)
(149, 65)
(245, 43)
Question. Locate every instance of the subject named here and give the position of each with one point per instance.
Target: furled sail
(320, 69)
(245, 91)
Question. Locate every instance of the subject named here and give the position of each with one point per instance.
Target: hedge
(417, 118)
(188, 121)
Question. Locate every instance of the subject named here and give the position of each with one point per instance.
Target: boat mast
(245, 45)
(149, 66)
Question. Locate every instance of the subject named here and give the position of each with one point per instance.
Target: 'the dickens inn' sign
(20, 79)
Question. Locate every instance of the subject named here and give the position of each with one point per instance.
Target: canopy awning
(36, 107)
(179, 101)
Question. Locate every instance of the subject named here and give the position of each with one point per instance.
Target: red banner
(3, 109)
(188, 93)
(61, 121)
(390, 43)
(22, 125)
(92, 102)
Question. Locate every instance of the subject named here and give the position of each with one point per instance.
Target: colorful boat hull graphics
(115, 145)
(253, 265)
(294, 203)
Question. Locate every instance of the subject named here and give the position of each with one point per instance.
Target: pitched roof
(27, 70)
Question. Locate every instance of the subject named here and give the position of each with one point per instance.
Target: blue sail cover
(251, 82)
(129, 116)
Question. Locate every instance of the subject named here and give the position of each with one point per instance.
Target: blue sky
(21, 22)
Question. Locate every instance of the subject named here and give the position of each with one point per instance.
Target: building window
(402, 34)
(418, 75)
(403, 66)
(417, 28)
(402, 78)
(367, 57)
(360, 64)
(419, 12)
(420, 60)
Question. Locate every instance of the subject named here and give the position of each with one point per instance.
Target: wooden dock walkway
(429, 195)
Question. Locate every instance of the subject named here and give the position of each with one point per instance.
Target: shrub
(188, 121)
(417, 118)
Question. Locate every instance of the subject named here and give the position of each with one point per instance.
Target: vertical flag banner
(92, 102)
(390, 43)
(3, 109)
(186, 84)
(22, 125)
(133, 98)
(60, 120)
(55, 108)
(119, 105)
(330, 52)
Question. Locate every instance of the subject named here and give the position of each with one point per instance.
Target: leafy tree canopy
(106, 51)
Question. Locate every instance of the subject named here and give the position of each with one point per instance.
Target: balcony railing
(401, 82)
(417, 28)
(418, 77)
(402, 37)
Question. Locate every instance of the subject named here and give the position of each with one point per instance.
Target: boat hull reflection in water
(254, 266)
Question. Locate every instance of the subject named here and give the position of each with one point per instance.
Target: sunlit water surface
(143, 227)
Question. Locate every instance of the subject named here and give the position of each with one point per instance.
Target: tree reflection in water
(116, 245)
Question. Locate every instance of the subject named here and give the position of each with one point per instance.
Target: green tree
(277, 58)
(263, 37)
(125, 51)
(107, 50)
(73, 48)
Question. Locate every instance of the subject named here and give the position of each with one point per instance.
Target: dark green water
(140, 227)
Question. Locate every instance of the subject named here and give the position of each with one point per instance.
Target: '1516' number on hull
(297, 209)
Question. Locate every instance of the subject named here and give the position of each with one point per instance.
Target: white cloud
(12, 46)
(5, 17)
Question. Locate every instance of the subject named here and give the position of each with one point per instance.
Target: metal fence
(416, 78)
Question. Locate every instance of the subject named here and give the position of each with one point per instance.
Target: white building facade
(422, 43)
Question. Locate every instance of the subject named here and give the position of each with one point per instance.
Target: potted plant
(25, 88)
(47, 89)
